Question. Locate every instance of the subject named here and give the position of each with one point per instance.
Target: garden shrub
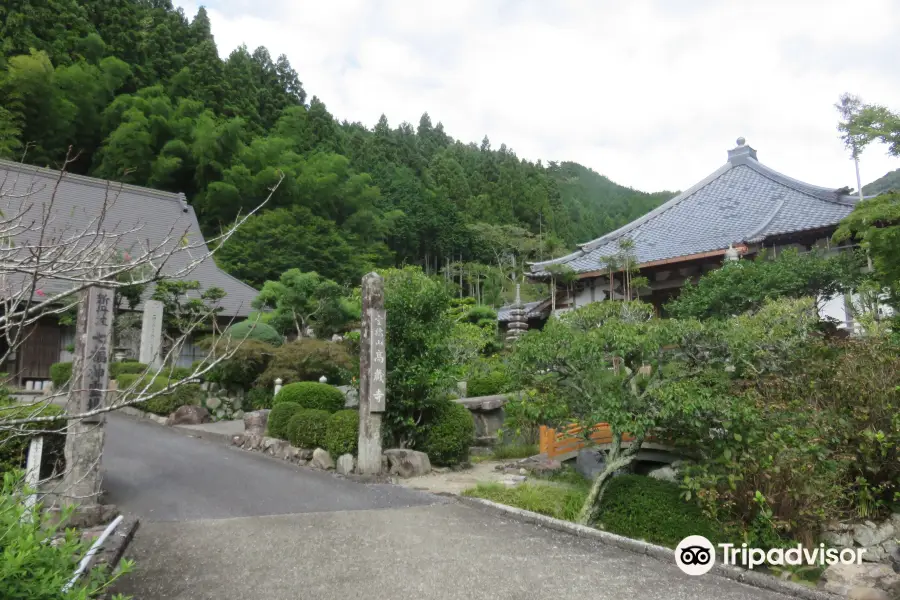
(243, 367)
(342, 434)
(35, 564)
(254, 330)
(279, 417)
(60, 373)
(648, 509)
(125, 368)
(164, 404)
(14, 448)
(451, 432)
(258, 398)
(178, 373)
(488, 384)
(308, 359)
(309, 394)
(307, 428)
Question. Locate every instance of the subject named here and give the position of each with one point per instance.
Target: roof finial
(731, 253)
(741, 141)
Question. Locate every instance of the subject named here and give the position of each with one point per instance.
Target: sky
(650, 93)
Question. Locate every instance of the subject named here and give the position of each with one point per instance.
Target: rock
(255, 422)
(838, 540)
(892, 550)
(666, 473)
(543, 465)
(837, 526)
(407, 463)
(220, 415)
(304, 454)
(213, 403)
(238, 440)
(238, 415)
(864, 534)
(522, 471)
(254, 442)
(875, 554)
(321, 460)
(841, 579)
(864, 593)
(883, 533)
(590, 463)
(345, 464)
(384, 464)
(513, 480)
(188, 415)
(236, 403)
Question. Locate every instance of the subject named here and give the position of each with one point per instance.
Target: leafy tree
(185, 308)
(745, 285)
(304, 300)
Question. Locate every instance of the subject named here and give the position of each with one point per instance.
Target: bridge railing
(563, 444)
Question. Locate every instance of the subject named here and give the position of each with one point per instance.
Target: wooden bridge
(565, 444)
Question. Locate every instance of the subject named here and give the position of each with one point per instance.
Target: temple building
(736, 212)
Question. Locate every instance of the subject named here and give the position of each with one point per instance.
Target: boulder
(883, 533)
(836, 539)
(255, 422)
(666, 473)
(213, 403)
(590, 463)
(345, 464)
(513, 480)
(188, 415)
(238, 415)
(321, 460)
(407, 463)
(304, 454)
(842, 579)
(238, 440)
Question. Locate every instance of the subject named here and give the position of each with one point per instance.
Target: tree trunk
(615, 461)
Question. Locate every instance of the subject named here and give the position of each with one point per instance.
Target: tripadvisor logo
(696, 555)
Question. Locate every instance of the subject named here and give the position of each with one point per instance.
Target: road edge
(661, 553)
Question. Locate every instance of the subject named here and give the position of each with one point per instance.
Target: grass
(515, 451)
(552, 500)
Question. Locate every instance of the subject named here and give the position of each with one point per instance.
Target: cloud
(650, 93)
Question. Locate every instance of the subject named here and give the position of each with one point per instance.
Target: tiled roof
(530, 312)
(741, 202)
(155, 215)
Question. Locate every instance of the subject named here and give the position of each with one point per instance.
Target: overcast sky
(650, 93)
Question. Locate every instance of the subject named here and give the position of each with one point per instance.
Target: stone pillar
(151, 334)
(372, 374)
(278, 383)
(90, 380)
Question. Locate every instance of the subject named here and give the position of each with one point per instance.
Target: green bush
(14, 448)
(241, 370)
(279, 417)
(60, 373)
(258, 398)
(126, 368)
(254, 330)
(310, 394)
(307, 428)
(40, 554)
(178, 373)
(450, 434)
(488, 384)
(307, 360)
(342, 435)
(648, 509)
(164, 404)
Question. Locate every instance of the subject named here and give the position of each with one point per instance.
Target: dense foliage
(40, 554)
(308, 359)
(300, 301)
(312, 395)
(451, 433)
(307, 428)
(138, 90)
(123, 368)
(61, 373)
(254, 330)
(342, 433)
(134, 384)
(280, 416)
(14, 446)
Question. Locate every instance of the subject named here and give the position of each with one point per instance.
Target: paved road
(220, 523)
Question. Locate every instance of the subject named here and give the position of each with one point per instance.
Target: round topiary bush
(307, 428)
(450, 435)
(342, 435)
(254, 330)
(279, 417)
(488, 384)
(311, 394)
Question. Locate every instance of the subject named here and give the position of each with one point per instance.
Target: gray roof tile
(157, 214)
(743, 201)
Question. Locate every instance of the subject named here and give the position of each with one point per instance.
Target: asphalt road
(219, 523)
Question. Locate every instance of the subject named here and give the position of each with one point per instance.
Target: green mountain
(889, 182)
(138, 91)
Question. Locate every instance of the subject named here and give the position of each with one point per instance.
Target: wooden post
(90, 379)
(372, 374)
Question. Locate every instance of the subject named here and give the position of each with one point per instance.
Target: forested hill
(139, 91)
(885, 183)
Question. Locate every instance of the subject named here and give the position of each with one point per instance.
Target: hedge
(279, 417)
(125, 368)
(649, 509)
(254, 330)
(164, 404)
(14, 448)
(60, 373)
(306, 429)
(342, 434)
(489, 384)
(450, 435)
(310, 394)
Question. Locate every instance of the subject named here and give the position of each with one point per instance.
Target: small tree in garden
(305, 300)
(186, 308)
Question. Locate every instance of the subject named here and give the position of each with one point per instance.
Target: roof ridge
(814, 191)
(92, 181)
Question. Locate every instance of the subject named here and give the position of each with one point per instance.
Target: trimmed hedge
(60, 373)
(14, 448)
(342, 434)
(488, 384)
(254, 330)
(165, 404)
(311, 394)
(307, 428)
(279, 417)
(125, 368)
(648, 509)
(451, 434)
